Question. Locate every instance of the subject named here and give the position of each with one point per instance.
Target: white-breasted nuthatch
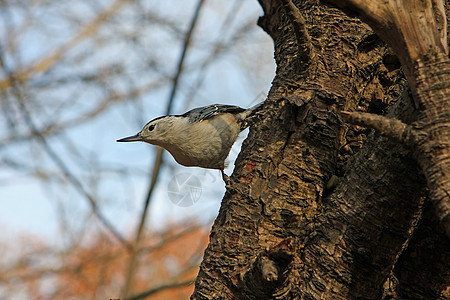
(201, 137)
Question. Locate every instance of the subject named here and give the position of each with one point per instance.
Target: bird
(201, 137)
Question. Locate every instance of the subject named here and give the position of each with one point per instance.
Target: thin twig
(159, 155)
(160, 288)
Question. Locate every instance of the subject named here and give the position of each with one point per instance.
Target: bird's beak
(133, 138)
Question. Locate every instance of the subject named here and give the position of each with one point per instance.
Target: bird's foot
(226, 179)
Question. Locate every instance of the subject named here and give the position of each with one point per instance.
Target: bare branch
(441, 21)
(161, 288)
(51, 59)
(393, 128)
(305, 48)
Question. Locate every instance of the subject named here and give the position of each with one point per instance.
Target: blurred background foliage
(74, 77)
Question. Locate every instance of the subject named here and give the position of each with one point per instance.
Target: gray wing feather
(207, 112)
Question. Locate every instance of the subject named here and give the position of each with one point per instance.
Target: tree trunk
(318, 208)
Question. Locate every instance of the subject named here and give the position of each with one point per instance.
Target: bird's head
(156, 132)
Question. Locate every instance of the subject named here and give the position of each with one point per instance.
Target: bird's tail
(252, 110)
(249, 115)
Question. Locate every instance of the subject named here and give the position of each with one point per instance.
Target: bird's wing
(207, 112)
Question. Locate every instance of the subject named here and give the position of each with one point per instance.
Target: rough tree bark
(318, 208)
(417, 31)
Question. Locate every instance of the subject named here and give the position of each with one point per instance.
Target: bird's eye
(151, 127)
